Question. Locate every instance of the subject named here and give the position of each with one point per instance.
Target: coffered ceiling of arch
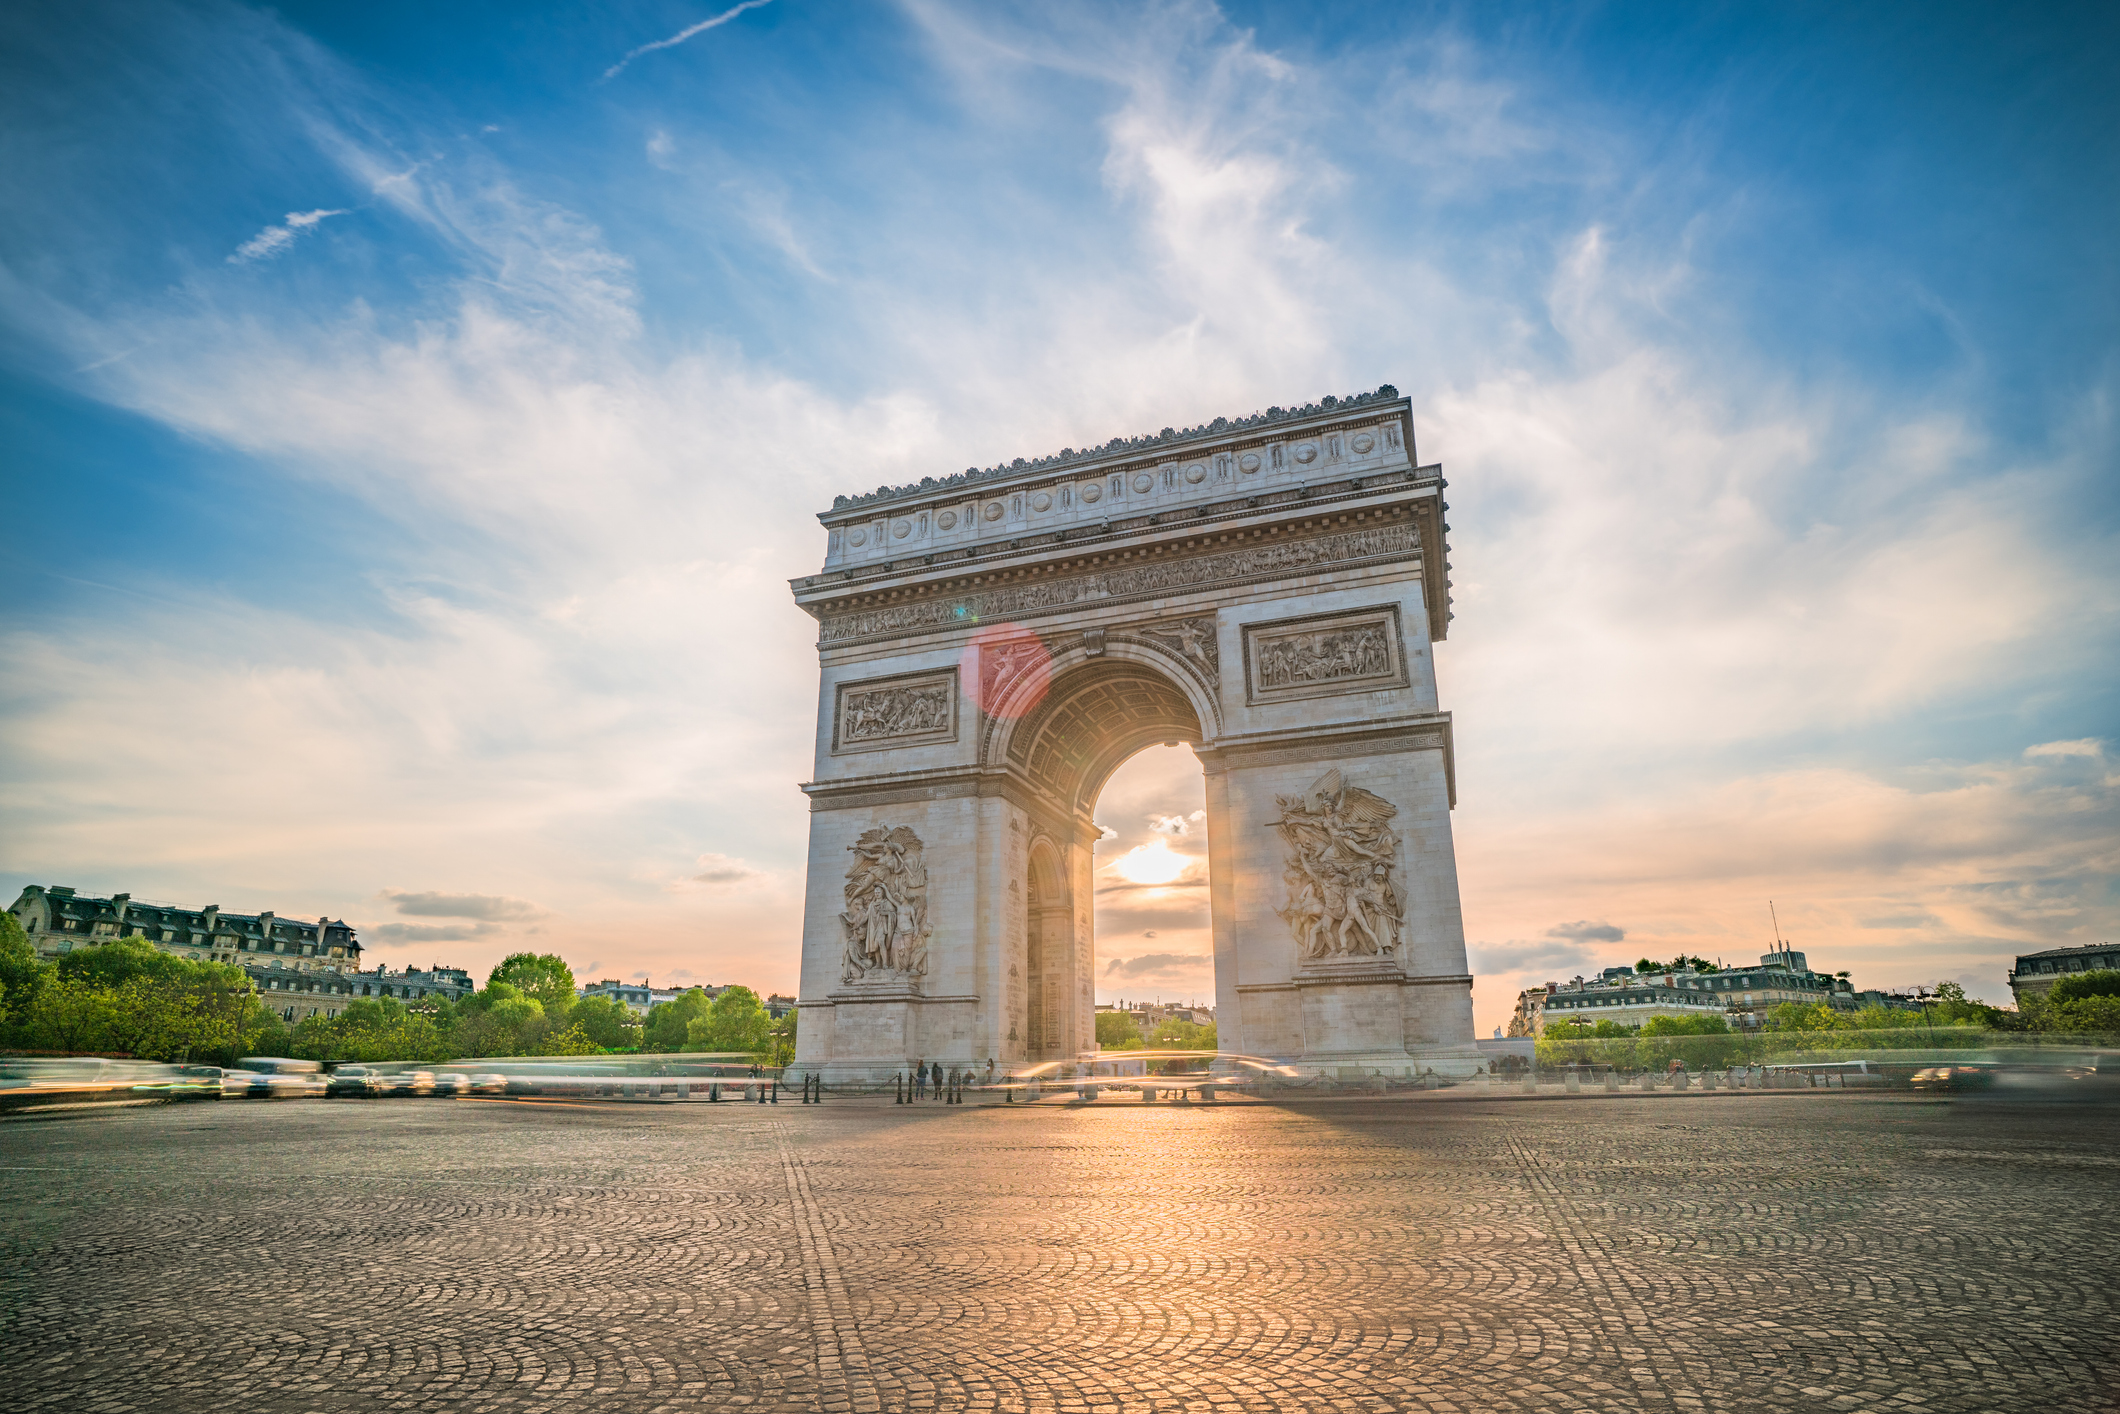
(1092, 720)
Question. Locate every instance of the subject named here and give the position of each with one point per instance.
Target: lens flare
(1006, 670)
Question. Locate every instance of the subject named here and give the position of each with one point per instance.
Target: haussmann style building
(300, 969)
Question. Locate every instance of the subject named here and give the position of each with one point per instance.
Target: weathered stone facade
(994, 645)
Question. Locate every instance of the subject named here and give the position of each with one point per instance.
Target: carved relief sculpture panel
(1324, 655)
(1190, 639)
(892, 712)
(1344, 898)
(886, 918)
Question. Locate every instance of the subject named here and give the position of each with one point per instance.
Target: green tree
(120, 960)
(1681, 963)
(22, 974)
(572, 1041)
(2103, 982)
(1177, 1035)
(1954, 1008)
(539, 975)
(497, 1021)
(1800, 1016)
(784, 1037)
(611, 1025)
(69, 1015)
(1118, 1031)
(1685, 1026)
(734, 1021)
(669, 1023)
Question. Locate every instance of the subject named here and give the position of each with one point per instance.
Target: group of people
(932, 1075)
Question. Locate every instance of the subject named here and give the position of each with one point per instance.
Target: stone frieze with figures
(1211, 569)
(909, 710)
(1324, 654)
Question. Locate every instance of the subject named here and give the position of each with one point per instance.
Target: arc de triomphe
(993, 646)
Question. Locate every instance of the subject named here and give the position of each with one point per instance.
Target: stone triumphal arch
(995, 644)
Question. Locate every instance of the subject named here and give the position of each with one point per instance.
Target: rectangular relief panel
(914, 709)
(1322, 655)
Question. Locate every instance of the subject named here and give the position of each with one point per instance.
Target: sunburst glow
(1152, 863)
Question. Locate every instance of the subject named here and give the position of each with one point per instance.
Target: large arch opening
(1066, 736)
(1153, 933)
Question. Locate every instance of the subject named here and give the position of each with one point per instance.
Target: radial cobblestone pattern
(1697, 1252)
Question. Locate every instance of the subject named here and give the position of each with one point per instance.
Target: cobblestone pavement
(1684, 1252)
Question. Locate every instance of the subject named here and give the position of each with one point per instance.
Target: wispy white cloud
(275, 239)
(684, 34)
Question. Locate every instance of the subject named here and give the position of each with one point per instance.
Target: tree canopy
(540, 975)
(669, 1022)
(1118, 1031)
(734, 1021)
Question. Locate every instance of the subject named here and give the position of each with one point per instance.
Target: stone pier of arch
(994, 645)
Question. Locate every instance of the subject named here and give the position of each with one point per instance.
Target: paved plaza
(1680, 1252)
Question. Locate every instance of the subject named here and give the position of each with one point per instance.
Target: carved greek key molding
(1395, 541)
(888, 712)
(1324, 655)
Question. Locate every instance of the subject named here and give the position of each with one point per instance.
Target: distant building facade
(59, 919)
(300, 969)
(1742, 996)
(637, 997)
(1147, 1016)
(2036, 973)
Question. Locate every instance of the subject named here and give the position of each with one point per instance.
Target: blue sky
(410, 426)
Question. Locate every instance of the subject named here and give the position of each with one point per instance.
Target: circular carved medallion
(1308, 452)
(993, 510)
(902, 529)
(947, 520)
(857, 538)
(1041, 502)
(1196, 473)
(1363, 442)
(1092, 492)
(1249, 461)
(1143, 481)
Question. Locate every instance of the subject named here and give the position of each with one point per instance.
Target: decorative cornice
(1121, 446)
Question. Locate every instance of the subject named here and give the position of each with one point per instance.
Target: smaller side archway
(1055, 960)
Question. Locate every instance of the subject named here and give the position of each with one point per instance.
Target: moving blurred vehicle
(273, 1078)
(409, 1082)
(30, 1082)
(488, 1083)
(449, 1085)
(1953, 1079)
(354, 1082)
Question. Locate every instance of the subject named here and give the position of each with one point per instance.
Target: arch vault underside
(994, 646)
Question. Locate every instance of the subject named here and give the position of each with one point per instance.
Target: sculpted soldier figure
(1342, 899)
(886, 914)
